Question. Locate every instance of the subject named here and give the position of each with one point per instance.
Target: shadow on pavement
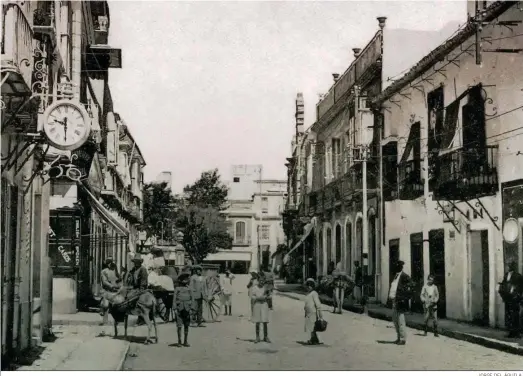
(246, 339)
(386, 342)
(305, 343)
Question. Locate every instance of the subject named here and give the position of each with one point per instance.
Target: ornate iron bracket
(442, 210)
(494, 220)
(476, 212)
(10, 160)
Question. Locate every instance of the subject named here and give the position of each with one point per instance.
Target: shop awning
(104, 213)
(307, 231)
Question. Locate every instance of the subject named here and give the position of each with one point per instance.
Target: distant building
(255, 222)
(165, 177)
(243, 181)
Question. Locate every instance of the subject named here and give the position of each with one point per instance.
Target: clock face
(66, 125)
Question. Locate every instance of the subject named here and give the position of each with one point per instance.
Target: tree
(203, 225)
(159, 210)
(207, 191)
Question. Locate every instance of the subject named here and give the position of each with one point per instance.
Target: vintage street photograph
(262, 185)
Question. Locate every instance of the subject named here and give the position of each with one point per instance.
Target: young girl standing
(260, 309)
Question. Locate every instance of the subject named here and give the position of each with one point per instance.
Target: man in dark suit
(511, 290)
(400, 293)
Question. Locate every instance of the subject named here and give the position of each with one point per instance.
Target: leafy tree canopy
(159, 210)
(207, 191)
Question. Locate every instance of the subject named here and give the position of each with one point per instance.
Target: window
(236, 180)
(265, 204)
(240, 232)
(265, 232)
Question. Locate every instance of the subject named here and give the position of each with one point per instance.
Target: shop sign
(64, 250)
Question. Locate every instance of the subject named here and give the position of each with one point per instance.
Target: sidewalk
(487, 337)
(81, 345)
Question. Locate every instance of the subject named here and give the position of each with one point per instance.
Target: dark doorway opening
(437, 266)
(416, 267)
(394, 256)
(479, 277)
(338, 244)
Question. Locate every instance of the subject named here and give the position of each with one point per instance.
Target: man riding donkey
(134, 298)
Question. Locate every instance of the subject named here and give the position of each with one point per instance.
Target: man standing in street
(511, 291)
(400, 294)
(197, 289)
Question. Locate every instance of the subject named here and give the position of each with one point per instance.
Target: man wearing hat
(138, 276)
(183, 304)
(400, 293)
(197, 285)
(511, 291)
(110, 286)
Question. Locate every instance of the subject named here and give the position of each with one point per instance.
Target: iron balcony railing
(467, 173)
(410, 181)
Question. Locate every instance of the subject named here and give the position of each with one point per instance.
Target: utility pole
(478, 20)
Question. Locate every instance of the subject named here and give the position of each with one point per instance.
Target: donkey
(144, 307)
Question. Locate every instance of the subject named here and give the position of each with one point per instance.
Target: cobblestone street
(352, 342)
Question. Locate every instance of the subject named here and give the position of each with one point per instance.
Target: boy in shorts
(183, 303)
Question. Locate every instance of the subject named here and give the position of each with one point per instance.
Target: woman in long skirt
(260, 310)
(312, 311)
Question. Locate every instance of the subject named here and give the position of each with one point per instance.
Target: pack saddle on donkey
(133, 298)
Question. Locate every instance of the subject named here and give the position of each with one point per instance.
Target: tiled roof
(493, 11)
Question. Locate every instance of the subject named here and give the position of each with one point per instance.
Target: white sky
(211, 84)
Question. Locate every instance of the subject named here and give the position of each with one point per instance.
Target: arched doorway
(348, 248)
(338, 244)
(372, 255)
(329, 246)
(319, 253)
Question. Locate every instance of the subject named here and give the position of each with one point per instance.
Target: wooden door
(437, 266)
(417, 272)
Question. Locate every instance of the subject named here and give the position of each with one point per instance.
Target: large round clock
(66, 125)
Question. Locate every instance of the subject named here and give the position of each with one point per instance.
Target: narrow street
(352, 342)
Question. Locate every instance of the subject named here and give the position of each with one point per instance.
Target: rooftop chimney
(300, 113)
(356, 51)
(336, 77)
(381, 21)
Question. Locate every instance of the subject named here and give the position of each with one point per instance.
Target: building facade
(55, 225)
(254, 217)
(451, 166)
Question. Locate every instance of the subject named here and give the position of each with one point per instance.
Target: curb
(492, 344)
(124, 356)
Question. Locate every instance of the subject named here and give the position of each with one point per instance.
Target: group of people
(401, 292)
